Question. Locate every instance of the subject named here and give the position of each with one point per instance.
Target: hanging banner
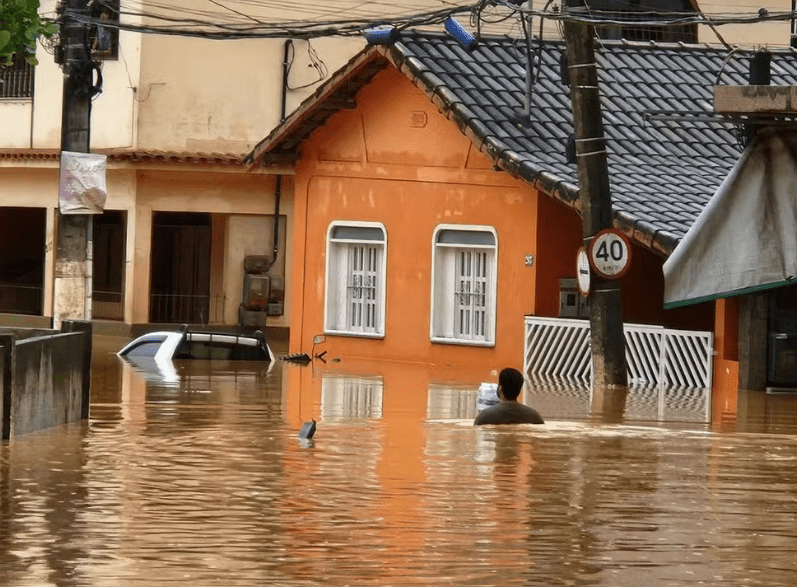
(82, 186)
(744, 239)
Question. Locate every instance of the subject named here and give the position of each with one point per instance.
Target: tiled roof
(133, 156)
(667, 153)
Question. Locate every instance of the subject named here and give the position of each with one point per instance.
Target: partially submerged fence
(655, 355)
(45, 377)
(669, 371)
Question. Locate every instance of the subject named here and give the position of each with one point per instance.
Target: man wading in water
(509, 410)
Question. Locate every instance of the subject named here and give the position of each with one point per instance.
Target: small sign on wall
(418, 119)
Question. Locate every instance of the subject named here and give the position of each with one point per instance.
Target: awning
(745, 239)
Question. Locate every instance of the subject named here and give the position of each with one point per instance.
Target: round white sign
(610, 253)
(582, 271)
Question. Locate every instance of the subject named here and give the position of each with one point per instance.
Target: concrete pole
(606, 317)
(73, 250)
(7, 369)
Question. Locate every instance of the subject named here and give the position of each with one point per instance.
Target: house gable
(393, 124)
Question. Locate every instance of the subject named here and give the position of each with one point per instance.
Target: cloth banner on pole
(82, 186)
(745, 240)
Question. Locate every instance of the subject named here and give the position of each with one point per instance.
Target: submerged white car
(186, 344)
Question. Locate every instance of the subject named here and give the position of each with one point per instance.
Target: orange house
(434, 213)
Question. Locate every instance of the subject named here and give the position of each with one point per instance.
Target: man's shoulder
(508, 413)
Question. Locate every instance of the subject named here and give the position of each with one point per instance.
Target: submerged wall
(45, 377)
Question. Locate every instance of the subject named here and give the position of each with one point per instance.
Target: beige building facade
(175, 117)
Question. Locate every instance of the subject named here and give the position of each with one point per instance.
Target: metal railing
(21, 299)
(186, 309)
(560, 348)
(16, 80)
(107, 305)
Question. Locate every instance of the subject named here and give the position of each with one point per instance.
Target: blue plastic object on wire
(461, 35)
(382, 36)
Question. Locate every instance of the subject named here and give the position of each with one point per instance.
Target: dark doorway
(22, 244)
(782, 343)
(180, 275)
(109, 235)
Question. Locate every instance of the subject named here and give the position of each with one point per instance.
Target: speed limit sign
(610, 253)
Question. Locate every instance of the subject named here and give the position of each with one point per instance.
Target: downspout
(278, 180)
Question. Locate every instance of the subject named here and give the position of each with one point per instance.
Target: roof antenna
(529, 65)
(523, 119)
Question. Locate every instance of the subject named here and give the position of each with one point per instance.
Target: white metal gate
(559, 347)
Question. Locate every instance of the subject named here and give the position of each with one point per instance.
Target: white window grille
(464, 284)
(355, 301)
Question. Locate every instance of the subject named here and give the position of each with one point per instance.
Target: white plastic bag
(82, 186)
(488, 395)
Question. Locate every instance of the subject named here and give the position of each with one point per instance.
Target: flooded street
(198, 477)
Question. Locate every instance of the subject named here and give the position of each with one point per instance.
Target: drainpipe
(278, 180)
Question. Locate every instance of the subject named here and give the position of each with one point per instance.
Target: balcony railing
(186, 309)
(20, 299)
(107, 305)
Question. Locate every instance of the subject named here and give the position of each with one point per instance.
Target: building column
(753, 314)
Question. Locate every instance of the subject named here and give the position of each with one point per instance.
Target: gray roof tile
(662, 170)
(662, 173)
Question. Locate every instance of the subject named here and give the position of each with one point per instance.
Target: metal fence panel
(560, 347)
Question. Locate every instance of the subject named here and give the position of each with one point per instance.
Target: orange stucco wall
(726, 362)
(396, 160)
(559, 238)
(643, 296)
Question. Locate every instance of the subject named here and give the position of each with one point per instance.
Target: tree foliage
(20, 26)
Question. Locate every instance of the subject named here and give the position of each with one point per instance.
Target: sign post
(609, 371)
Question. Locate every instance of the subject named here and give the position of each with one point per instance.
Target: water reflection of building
(450, 402)
(573, 399)
(362, 388)
(351, 397)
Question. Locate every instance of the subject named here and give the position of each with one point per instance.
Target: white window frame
(338, 308)
(444, 325)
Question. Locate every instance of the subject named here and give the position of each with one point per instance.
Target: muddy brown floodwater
(197, 476)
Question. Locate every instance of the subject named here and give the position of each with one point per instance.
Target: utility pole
(609, 371)
(73, 251)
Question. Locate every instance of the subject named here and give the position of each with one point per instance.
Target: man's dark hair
(511, 382)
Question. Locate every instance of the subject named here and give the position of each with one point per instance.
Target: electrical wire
(315, 62)
(301, 29)
(240, 19)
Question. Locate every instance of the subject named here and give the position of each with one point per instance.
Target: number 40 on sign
(610, 253)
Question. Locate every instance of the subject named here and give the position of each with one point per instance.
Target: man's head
(510, 382)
